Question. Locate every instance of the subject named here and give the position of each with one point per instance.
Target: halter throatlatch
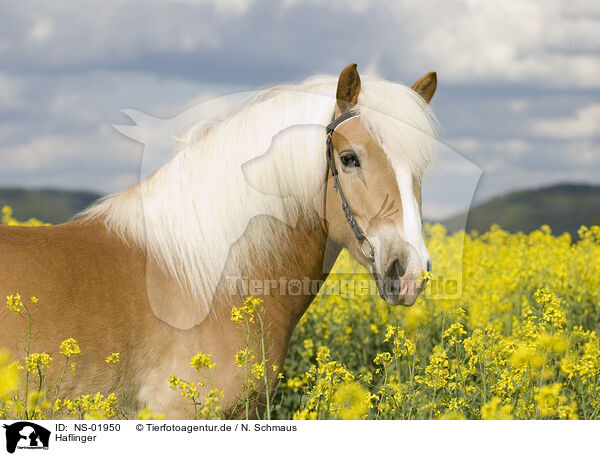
(359, 234)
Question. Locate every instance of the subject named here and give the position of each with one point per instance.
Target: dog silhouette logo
(26, 435)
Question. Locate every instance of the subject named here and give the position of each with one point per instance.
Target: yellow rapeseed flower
(14, 303)
(9, 375)
(351, 400)
(202, 361)
(495, 410)
(243, 358)
(38, 362)
(258, 370)
(148, 414)
(113, 358)
(69, 348)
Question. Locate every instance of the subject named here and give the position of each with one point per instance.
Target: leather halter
(359, 234)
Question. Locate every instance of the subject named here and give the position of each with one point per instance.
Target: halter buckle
(371, 255)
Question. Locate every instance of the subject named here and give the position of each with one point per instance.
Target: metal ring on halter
(371, 256)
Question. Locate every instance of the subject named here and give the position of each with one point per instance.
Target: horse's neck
(289, 284)
(286, 280)
(286, 287)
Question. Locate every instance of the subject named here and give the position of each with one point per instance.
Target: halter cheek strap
(359, 234)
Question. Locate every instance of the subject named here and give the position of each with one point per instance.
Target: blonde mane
(266, 158)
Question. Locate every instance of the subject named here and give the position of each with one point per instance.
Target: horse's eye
(349, 160)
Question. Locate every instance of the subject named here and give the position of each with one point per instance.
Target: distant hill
(563, 207)
(52, 206)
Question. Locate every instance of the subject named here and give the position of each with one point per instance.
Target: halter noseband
(359, 234)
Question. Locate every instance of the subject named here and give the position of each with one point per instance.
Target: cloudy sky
(518, 93)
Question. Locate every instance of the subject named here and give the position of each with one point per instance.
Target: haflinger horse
(140, 273)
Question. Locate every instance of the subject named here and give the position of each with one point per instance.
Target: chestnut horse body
(100, 283)
(93, 287)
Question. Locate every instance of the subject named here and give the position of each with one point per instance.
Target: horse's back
(89, 285)
(63, 259)
(31, 260)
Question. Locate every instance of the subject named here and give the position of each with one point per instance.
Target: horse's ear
(426, 86)
(348, 88)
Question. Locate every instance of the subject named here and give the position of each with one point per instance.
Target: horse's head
(383, 195)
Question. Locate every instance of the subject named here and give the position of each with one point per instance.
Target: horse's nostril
(396, 270)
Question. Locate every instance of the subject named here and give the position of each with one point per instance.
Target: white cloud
(72, 104)
(585, 153)
(518, 106)
(53, 151)
(10, 91)
(465, 145)
(527, 42)
(62, 134)
(225, 7)
(512, 147)
(68, 71)
(550, 44)
(356, 6)
(584, 124)
(110, 32)
(41, 30)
